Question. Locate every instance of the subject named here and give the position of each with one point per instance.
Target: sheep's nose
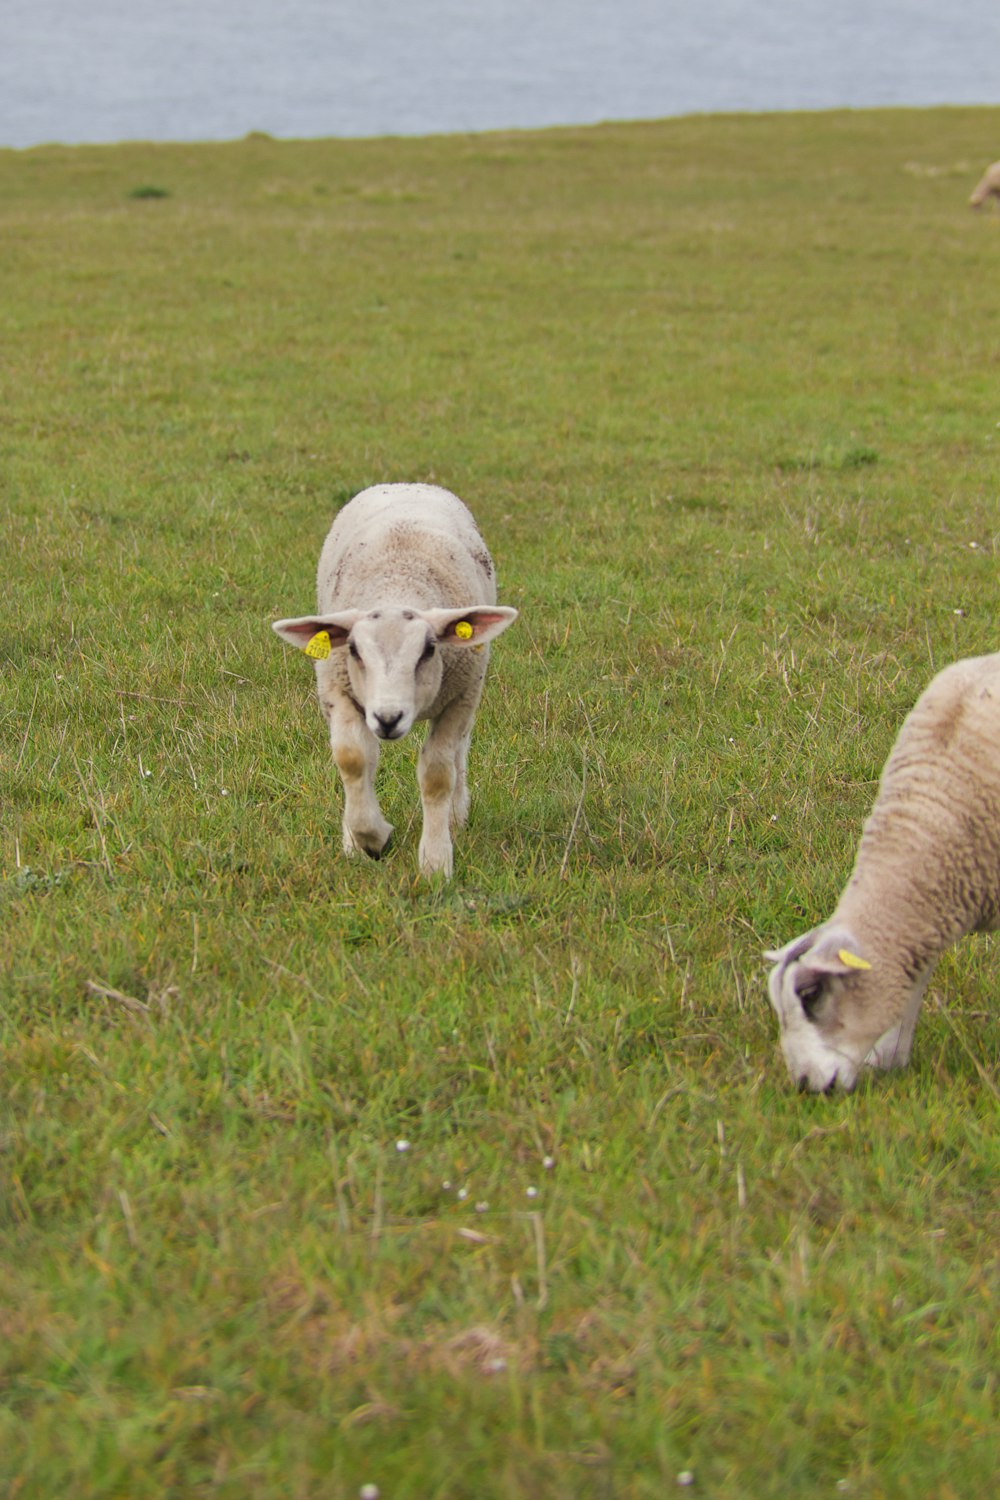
(387, 725)
(804, 1086)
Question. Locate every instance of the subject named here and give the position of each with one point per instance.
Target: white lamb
(987, 186)
(927, 872)
(407, 604)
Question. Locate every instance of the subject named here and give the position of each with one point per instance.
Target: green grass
(723, 394)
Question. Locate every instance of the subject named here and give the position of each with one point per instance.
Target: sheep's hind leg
(355, 752)
(461, 721)
(460, 796)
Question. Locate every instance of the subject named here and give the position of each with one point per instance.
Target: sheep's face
(394, 665)
(821, 989)
(394, 656)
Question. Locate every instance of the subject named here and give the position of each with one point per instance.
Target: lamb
(927, 872)
(406, 608)
(988, 186)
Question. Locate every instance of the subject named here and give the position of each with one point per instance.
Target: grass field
(315, 1178)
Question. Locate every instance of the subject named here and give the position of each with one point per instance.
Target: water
(108, 70)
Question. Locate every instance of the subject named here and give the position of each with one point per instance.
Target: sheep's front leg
(443, 790)
(355, 752)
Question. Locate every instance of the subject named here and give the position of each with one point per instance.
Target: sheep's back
(936, 821)
(404, 544)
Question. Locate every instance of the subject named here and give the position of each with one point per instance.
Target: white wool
(988, 186)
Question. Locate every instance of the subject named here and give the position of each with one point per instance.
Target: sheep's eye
(352, 648)
(810, 994)
(428, 651)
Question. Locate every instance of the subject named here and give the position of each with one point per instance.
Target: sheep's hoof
(438, 868)
(367, 843)
(378, 853)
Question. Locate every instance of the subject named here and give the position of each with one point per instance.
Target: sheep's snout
(388, 726)
(818, 1069)
(806, 1085)
(814, 1066)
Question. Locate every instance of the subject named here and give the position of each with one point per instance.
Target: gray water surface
(108, 70)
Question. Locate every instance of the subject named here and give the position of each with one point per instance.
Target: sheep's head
(821, 988)
(393, 656)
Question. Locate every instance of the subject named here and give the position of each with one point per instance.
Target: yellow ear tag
(463, 630)
(852, 960)
(319, 647)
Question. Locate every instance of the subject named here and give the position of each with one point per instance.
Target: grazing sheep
(988, 186)
(927, 872)
(407, 604)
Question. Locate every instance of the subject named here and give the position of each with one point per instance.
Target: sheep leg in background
(893, 1049)
(356, 752)
(460, 799)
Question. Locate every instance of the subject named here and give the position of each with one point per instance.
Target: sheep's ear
(791, 951)
(837, 952)
(302, 631)
(831, 950)
(473, 626)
